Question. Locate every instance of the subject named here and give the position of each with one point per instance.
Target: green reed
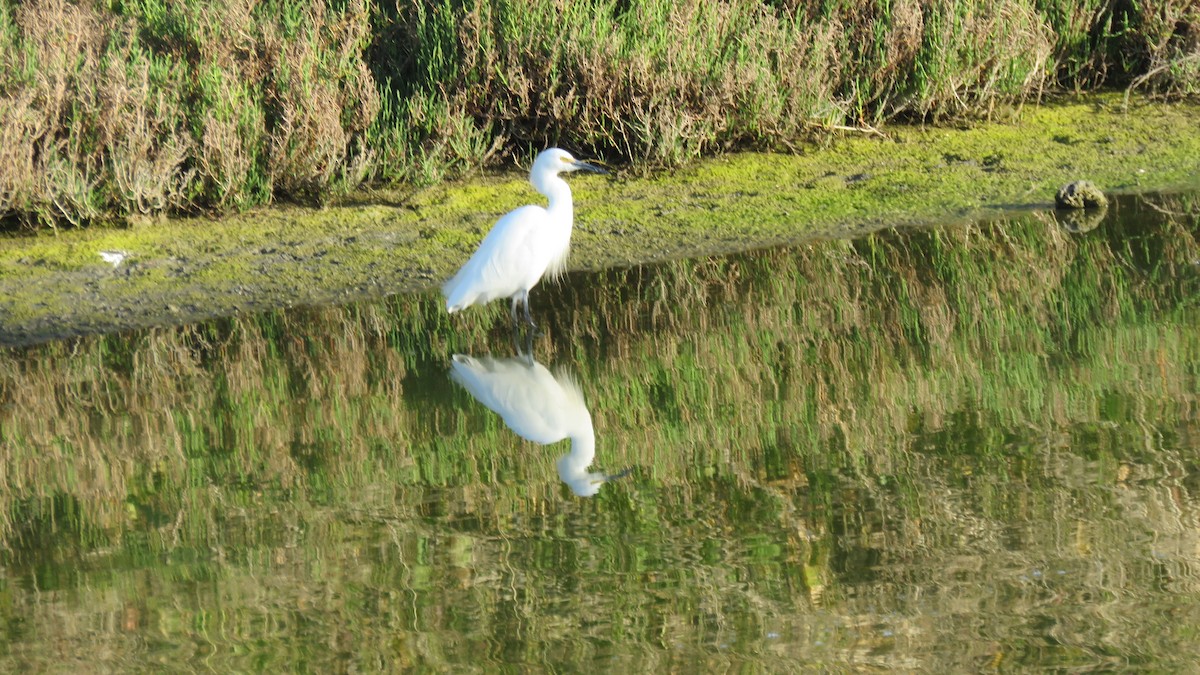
(124, 109)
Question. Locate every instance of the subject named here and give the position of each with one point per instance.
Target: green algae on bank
(384, 242)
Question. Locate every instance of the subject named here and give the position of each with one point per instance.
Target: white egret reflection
(539, 406)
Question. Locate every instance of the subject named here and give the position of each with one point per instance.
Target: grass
(127, 108)
(113, 109)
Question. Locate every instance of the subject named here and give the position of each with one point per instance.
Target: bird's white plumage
(114, 258)
(539, 406)
(524, 245)
(526, 234)
(534, 403)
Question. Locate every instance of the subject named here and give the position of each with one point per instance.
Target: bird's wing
(531, 401)
(497, 266)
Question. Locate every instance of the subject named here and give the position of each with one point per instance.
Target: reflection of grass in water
(948, 306)
(930, 320)
(752, 390)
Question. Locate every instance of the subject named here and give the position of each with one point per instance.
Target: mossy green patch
(385, 242)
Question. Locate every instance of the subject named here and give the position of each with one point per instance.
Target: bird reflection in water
(539, 406)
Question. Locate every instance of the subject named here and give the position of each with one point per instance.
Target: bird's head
(557, 160)
(586, 483)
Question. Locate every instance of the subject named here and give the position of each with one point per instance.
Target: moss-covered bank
(385, 242)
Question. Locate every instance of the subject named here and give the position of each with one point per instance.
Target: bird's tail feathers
(558, 266)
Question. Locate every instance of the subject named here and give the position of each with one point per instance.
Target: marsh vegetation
(126, 109)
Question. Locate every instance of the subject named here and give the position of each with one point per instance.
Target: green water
(960, 449)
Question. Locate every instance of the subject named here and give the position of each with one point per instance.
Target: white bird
(114, 258)
(539, 407)
(524, 244)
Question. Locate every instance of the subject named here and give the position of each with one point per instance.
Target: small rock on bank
(1082, 194)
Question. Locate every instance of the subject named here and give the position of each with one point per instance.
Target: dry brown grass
(151, 106)
(319, 122)
(217, 106)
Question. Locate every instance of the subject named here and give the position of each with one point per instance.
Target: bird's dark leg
(528, 315)
(522, 340)
(518, 339)
(515, 300)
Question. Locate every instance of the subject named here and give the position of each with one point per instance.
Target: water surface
(958, 449)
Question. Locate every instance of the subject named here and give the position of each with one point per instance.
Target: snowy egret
(539, 407)
(524, 244)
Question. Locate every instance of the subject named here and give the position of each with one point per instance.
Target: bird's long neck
(583, 451)
(557, 191)
(572, 467)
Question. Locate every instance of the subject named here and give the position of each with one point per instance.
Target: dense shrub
(139, 107)
(120, 107)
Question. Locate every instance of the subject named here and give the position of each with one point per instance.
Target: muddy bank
(55, 286)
